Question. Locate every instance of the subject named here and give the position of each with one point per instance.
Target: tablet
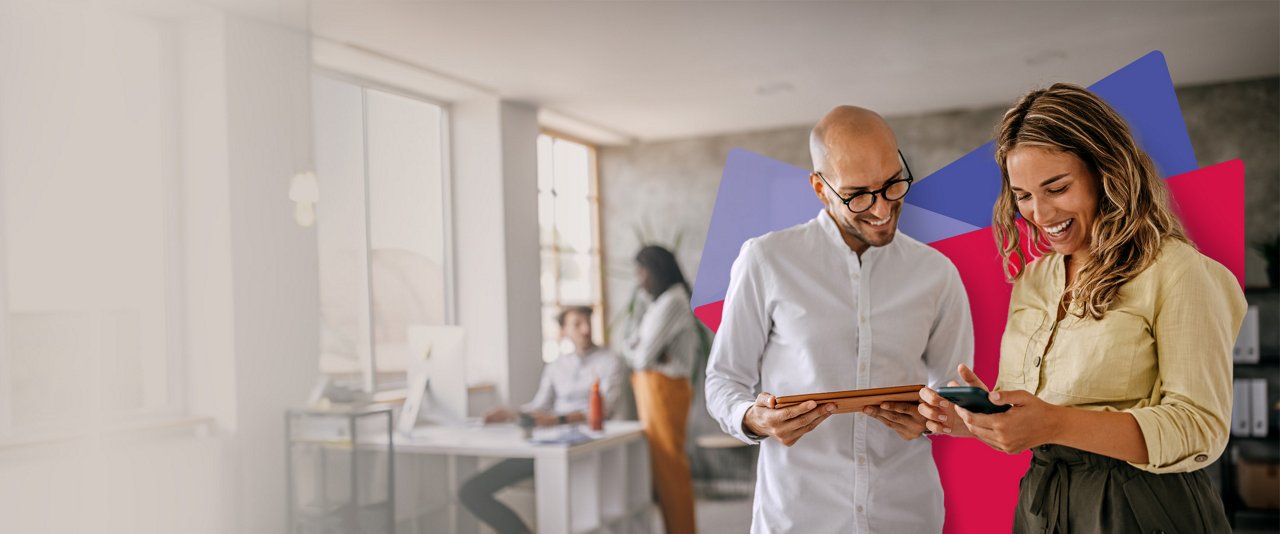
(855, 400)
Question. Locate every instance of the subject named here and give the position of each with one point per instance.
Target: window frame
(369, 369)
(594, 196)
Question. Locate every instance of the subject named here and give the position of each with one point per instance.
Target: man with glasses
(840, 302)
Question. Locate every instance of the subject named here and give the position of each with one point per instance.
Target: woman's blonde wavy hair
(1133, 217)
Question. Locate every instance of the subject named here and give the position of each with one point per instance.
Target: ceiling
(654, 70)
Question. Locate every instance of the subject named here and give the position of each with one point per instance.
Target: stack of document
(1246, 349)
(1250, 414)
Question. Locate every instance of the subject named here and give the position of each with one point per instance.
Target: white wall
(274, 261)
(519, 125)
(251, 301)
(91, 99)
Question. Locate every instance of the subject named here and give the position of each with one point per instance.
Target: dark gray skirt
(1068, 491)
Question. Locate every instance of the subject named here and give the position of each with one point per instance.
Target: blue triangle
(1142, 92)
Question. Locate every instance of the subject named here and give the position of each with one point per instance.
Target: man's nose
(881, 208)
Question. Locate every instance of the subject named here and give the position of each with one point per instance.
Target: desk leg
(461, 468)
(551, 487)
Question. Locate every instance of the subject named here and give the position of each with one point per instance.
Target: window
(568, 221)
(91, 241)
(382, 228)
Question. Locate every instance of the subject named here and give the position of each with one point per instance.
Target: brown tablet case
(855, 400)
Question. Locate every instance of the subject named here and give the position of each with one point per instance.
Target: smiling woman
(1117, 353)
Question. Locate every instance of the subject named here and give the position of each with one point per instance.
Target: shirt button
(862, 460)
(1202, 457)
(1037, 362)
(859, 508)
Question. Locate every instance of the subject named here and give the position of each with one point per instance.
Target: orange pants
(663, 404)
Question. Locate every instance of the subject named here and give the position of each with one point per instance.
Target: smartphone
(973, 399)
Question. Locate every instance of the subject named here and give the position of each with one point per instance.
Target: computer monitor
(437, 377)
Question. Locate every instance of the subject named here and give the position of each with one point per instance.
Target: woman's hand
(941, 413)
(1031, 422)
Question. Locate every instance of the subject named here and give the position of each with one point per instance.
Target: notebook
(856, 399)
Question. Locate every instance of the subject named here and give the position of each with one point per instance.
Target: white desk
(597, 486)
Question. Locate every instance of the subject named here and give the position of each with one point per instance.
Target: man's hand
(900, 417)
(544, 419)
(499, 414)
(788, 424)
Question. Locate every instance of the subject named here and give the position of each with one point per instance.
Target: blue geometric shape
(1142, 92)
(928, 226)
(757, 195)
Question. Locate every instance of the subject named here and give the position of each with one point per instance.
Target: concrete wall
(666, 189)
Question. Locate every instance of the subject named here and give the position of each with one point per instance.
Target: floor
(723, 516)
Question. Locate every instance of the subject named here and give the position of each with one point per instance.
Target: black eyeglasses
(862, 201)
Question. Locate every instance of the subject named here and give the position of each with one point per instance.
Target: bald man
(841, 302)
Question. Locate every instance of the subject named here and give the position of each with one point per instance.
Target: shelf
(1265, 363)
(1256, 519)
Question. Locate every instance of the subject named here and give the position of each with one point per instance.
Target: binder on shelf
(1242, 401)
(1247, 349)
(1258, 412)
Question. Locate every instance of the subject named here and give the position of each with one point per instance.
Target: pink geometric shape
(709, 314)
(1210, 202)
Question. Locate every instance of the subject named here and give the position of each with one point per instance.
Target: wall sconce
(304, 192)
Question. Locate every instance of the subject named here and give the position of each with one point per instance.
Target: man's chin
(877, 237)
(881, 241)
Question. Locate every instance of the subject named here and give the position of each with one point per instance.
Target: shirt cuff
(738, 415)
(1155, 433)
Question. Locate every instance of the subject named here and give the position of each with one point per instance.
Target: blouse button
(1037, 362)
(1202, 457)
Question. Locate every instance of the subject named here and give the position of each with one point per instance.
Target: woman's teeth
(880, 222)
(1059, 229)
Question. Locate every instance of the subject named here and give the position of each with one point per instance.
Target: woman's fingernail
(942, 418)
(946, 429)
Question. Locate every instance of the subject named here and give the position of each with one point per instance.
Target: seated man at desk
(563, 397)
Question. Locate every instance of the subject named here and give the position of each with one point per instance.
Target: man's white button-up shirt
(805, 314)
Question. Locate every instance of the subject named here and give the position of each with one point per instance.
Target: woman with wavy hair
(1116, 357)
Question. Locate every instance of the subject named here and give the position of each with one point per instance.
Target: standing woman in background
(662, 351)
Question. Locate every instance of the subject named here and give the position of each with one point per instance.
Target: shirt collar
(583, 357)
(829, 228)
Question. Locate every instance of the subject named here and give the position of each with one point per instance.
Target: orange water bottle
(595, 415)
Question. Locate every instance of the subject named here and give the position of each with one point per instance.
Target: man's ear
(816, 183)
